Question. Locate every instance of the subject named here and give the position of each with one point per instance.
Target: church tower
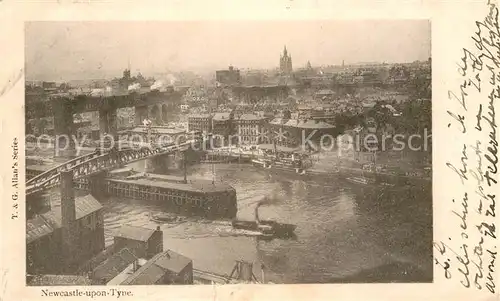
(286, 62)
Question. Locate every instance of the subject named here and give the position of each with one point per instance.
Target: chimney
(158, 241)
(135, 265)
(68, 218)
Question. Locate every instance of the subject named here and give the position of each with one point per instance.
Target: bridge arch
(155, 114)
(141, 113)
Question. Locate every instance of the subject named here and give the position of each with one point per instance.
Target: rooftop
(222, 116)
(135, 233)
(46, 223)
(307, 124)
(200, 115)
(157, 267)
(127, 272)
(158, 130)
(192, 185)
(114, 265)
(250, 117)
(313, 124)
(59, 280)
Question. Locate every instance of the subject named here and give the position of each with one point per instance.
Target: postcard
(296, 150)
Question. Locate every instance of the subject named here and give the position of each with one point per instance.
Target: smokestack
(68, 219)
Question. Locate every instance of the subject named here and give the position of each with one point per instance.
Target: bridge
(40, 105)
(97, 162)
(153, 105)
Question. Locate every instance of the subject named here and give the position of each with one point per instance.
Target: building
(228, 77)
(165, 268)
(294, 131)
(250, 127)
(144, 242)
(157, 134)
(324, 95)
(113, 266)
(222, 127)
(286, 63)
(261, 94)
(137, 258)
(58, 280)
(58, 241)
(200, 122)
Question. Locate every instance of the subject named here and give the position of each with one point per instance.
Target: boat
(279, 165)
(358, 180)
(268, 228)
(165, 217)
(290, 160)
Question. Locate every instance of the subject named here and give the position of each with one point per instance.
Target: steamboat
(266, 228)
(282, 159)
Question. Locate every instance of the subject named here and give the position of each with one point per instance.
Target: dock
(242, 273)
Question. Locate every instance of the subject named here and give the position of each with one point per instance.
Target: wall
(43, 255)
(155, 244)
(138, 247)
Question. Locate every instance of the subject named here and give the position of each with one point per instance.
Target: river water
(345, 232)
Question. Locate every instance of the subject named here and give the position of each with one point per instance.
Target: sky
(74, 50)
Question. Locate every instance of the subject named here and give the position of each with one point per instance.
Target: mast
(185, 167)
(148, 141)
(213, 172)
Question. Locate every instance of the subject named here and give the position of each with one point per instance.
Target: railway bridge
(94, 165)
(152, 105)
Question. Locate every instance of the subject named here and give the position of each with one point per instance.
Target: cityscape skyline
(87, 50)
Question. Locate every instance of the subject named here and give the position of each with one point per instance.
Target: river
(345, 232)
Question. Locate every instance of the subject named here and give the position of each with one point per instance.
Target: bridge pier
(141, 113)
(108, 124)
(68, 222)
(97, 185)
(64, 130)
(149, 166)
(155, 114)
(157, 163)
(34, 204)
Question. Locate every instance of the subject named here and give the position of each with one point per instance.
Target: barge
(178, 195)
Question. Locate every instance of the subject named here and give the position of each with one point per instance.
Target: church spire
(284, 51)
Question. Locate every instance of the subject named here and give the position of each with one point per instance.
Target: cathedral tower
(286, 62)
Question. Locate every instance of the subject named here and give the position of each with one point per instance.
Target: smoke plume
(158, 85)
(134, 87)
(171, 79)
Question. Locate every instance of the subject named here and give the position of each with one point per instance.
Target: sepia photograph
(228, 152)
